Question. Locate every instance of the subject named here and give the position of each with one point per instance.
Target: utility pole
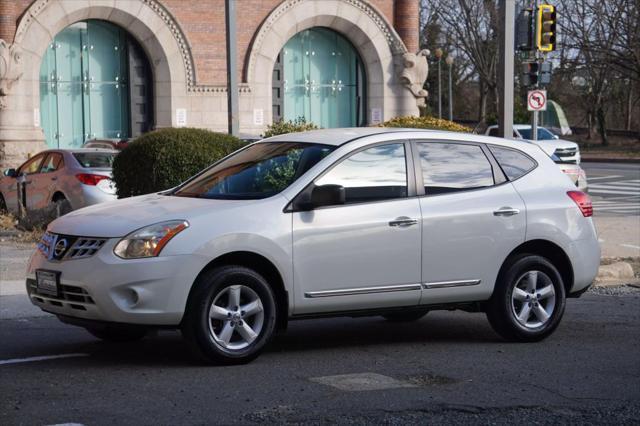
(505, 68)
(534, 115)
(439, 54)
(232, 68)
(449, 62)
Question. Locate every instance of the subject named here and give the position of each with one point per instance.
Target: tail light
(583, 202)
(89, 179)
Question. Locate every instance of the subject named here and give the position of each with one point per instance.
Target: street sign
(537, 100)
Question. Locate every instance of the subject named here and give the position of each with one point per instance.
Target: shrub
(164, 158)
(425, 123)
(281, 127)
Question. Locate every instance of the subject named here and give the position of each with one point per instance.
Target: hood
(553, 144)
(120, 217)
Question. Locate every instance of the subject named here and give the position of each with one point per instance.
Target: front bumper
(103, 287)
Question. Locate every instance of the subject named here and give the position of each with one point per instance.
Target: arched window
(319, 76)
(95, 82)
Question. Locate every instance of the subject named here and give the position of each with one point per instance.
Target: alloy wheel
(236, 317)
(533, 299)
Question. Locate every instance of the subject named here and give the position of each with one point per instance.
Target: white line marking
(622, 187)
(630, 246)
(39, 358)
(603, 177)
(597, 208)
(608, 191)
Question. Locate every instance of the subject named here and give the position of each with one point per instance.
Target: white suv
(352, 222)
(565, 151)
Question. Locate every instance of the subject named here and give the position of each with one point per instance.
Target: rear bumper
(585, 258)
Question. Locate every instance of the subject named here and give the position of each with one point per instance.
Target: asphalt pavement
(448, 368)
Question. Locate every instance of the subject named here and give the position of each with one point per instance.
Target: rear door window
(514, 163)
(453, 167)
(52, 163)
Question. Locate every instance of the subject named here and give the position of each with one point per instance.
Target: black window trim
(409, 165)
(535, 163)
(499, 177)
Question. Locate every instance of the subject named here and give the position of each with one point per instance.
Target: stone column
(407, 23)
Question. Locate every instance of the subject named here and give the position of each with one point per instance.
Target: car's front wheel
(528, 301)
(230, 316)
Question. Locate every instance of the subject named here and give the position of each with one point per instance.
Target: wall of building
(185, 42)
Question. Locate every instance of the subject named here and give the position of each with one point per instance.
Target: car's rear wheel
(528, 301)
(62, 205)
(408, 316)
(230, 316)
(118, 334)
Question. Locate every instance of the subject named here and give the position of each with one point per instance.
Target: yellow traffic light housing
(546, 28)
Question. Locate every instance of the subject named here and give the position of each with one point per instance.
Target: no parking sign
(537, 100)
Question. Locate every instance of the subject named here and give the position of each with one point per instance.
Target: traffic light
(524, 31)
(530, 71)
(546, 28)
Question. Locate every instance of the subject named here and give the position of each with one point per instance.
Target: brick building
(72, 70)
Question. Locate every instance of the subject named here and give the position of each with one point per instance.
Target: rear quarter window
(514, 163)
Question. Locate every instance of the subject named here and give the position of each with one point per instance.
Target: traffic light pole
(505, 68)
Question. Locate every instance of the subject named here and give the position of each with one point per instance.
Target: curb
(610, 160)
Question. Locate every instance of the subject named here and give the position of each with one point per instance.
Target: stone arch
(149, 22)
(363, 25)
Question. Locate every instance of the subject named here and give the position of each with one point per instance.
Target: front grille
(65, 247)
(67, 293)
(565, 152)
(85, 247)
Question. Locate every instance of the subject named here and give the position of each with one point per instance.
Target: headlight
(150, 240)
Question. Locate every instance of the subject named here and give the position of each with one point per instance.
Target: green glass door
(323, 79)
(83, 85)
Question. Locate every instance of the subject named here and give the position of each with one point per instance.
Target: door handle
(506, 211)
(54, 179)
(403, 222)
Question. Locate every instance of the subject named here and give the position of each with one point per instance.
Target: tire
(3, 205)
(118, 334)
(63, 206)
(227, 333)
(408, 316)
(528, 301)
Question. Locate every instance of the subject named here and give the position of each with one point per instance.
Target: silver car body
(44, 185)
(333, 259)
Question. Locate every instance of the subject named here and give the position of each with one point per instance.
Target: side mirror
(323, 195)
(556, 137)
(11, 173)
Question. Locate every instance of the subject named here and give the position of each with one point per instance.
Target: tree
(599, 46)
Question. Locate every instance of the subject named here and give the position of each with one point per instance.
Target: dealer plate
(47, 282)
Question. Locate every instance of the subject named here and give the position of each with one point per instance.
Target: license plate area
(48, 282)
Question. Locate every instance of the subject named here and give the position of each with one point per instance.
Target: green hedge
(281, 127)
(425, 123)
(164, 158)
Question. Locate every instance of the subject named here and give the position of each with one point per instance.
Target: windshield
(543, 134)
(259, 171)
(95, 160)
